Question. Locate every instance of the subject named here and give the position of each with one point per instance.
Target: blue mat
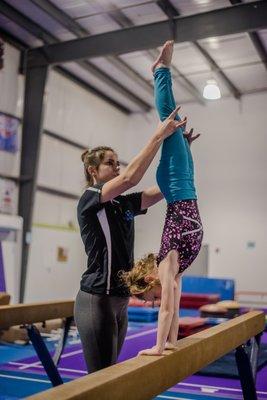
(203, 285)
(16, 383)
(143, 314)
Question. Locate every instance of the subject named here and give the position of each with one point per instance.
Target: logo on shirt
(128, 216)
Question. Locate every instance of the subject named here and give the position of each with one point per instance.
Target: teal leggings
(175, 173)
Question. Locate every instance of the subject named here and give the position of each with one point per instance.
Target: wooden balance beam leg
(28, 314)
(144, 377)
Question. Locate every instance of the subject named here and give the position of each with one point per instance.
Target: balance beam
(4, 298)
(144, 377)
(21, 314)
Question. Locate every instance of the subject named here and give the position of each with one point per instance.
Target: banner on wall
(8, 133)
(7, 196)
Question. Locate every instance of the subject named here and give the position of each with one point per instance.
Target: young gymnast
(160, 277)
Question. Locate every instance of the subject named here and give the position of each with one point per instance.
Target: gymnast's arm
(151, 196)
(135, 171)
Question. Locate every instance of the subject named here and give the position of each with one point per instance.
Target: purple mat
(72, 364)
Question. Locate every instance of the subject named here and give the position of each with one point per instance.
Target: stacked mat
(143, 314)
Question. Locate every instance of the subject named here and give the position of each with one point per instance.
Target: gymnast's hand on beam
(189, 136)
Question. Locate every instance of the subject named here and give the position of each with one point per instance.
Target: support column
(31, 139)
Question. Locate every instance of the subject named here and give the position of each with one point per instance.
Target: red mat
(195, 300)
(190, 325)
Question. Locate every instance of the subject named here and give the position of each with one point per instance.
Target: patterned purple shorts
(182, 232)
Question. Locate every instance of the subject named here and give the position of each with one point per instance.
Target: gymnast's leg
(175, 171)
(164, 98)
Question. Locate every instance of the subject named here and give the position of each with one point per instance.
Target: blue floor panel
(24, 384)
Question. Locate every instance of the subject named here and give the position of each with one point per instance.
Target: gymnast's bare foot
(169, 346)
(165, 57)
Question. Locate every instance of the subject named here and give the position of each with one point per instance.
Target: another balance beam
(21, 314)
(144, 377)
(27, 315)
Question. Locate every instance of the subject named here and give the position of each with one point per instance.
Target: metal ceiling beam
(117, 62)
(168, 8)
(25, 22)
(214, 66)
(241, 18)
(61, 17)
(124, 22)
(101, 75)
(74, 27)
(37, 31)
(22, 46)
(172, 12)
(118, 16)
(11, 39)
(85, 85)
(184, 81)
(256, 40)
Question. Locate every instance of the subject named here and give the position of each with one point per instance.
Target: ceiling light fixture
(211, 91)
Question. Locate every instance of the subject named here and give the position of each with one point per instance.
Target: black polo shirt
(107, 231)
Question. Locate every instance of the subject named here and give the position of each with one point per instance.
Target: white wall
(80, 116)
(75, 114)
(231, 163)
(54, 227)
(48, 277)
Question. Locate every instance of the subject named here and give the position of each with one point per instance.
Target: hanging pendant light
(211, 91)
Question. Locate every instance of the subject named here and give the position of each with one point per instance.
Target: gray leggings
(102, 322)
